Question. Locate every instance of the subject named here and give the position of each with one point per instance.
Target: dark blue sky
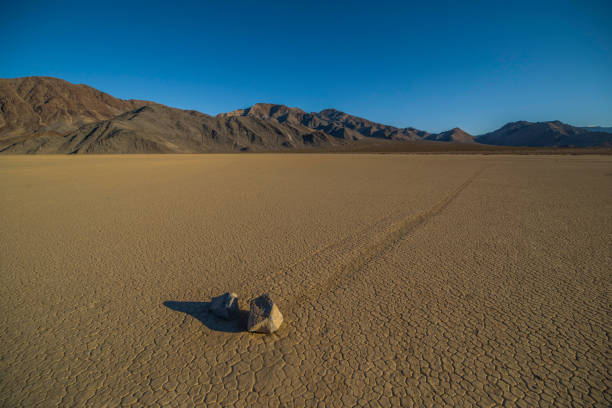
(476, 65)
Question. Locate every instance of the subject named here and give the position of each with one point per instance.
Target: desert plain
(404, 280)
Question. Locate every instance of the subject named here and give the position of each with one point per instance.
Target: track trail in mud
(323, 270)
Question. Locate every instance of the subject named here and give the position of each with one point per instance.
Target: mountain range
(50, 115)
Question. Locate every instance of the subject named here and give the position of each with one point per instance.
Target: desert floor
(432, 280)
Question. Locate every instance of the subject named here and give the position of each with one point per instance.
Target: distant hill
(540, 134)
(50, 115)
(597, 129)
(454, 135)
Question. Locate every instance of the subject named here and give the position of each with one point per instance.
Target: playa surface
(404, 280)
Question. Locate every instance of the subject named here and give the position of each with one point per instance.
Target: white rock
(264, 316)
(225, 306)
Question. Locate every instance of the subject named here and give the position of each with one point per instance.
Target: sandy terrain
(404, 280)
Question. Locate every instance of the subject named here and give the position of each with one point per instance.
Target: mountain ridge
(332, 121)
(160, 129)
(50, 115)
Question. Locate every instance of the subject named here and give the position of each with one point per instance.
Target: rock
(225, 306)
(264, 316)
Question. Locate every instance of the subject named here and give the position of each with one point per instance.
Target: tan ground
(404, 280)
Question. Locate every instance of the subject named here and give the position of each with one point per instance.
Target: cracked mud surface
(403, 280)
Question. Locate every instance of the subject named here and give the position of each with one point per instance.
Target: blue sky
(434, 66)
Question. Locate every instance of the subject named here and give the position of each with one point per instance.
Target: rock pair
(264, 316)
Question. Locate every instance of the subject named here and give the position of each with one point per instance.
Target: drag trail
(324, 270)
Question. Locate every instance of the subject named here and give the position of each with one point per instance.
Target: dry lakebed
(403, 280)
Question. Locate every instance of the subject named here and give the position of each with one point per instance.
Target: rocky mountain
(35, 106)
(540, 134)
(454, 135)
(159, 129)
(333, 122)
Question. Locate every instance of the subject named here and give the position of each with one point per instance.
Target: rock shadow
(199, 310)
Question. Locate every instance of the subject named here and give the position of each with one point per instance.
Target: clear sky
(434, 66)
